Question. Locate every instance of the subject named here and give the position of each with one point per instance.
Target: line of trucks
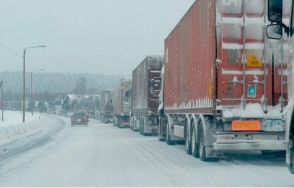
(224, 82)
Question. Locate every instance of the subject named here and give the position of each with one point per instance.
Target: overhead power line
(10, 50)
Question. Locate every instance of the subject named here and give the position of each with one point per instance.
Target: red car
(80, 118)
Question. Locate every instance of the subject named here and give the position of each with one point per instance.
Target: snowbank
(13, 127)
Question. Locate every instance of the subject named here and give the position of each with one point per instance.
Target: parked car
(80, 118)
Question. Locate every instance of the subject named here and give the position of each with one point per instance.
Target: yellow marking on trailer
(253, 61)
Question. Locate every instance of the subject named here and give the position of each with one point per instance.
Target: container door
(243, 71)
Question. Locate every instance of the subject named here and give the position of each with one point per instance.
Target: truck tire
(132, 124)
(135, 125)
(118, 122)
(160, 138)
(141, 126)
(194, 143)
(187, 141)
(119, 125)
(160, 129)
(202, 153)
(167, 139)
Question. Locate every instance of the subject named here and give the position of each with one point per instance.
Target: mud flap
(211, 153)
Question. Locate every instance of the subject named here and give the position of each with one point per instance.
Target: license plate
(273, 125)
(246, 125)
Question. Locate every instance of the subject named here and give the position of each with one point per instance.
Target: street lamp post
(33, 105)
(23, 81)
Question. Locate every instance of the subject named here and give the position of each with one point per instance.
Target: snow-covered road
(104, 155)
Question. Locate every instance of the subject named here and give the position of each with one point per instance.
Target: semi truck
(279, 22)
(92, 105)
(42, 106)
(122, 102)
(223, 85)
(106, 106)
(144, 103)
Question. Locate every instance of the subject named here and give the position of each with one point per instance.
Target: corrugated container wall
(122, 97)
(106, 101)
(142, 100)
(190, 52)
(206, 51)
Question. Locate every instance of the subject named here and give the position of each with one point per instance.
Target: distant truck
(144, 104)
(74, 106)
(42, 107)
(92, 105)
(122, 102)
(221, 89)
(106, 106)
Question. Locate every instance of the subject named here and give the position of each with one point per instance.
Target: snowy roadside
(13, 128)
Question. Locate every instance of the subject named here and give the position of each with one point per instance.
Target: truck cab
(275, 32)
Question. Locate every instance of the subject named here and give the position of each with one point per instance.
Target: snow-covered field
(104, 155)
(13, 127)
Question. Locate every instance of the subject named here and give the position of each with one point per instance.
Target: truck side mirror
(152, 84)
(274, 31)
(275, 10)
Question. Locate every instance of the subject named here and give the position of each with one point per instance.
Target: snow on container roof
(155, 61)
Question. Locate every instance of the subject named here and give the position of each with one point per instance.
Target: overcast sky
(95, 36)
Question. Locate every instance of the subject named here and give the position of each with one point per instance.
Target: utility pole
(32, 106)
(24, 87)
(20, 95)
(24, 80)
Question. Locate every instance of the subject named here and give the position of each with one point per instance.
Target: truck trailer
(106, 106)
(92, 105)
(144, 103)
(224, 87)
(122, 102)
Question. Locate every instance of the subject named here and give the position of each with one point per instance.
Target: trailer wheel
(161, 138)
(113, 121)
(194, 144)
(187, 141)
(167, 139)
(202, 153)
(132, 123)
(143, 127)
(135, 125)
(118, 122)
